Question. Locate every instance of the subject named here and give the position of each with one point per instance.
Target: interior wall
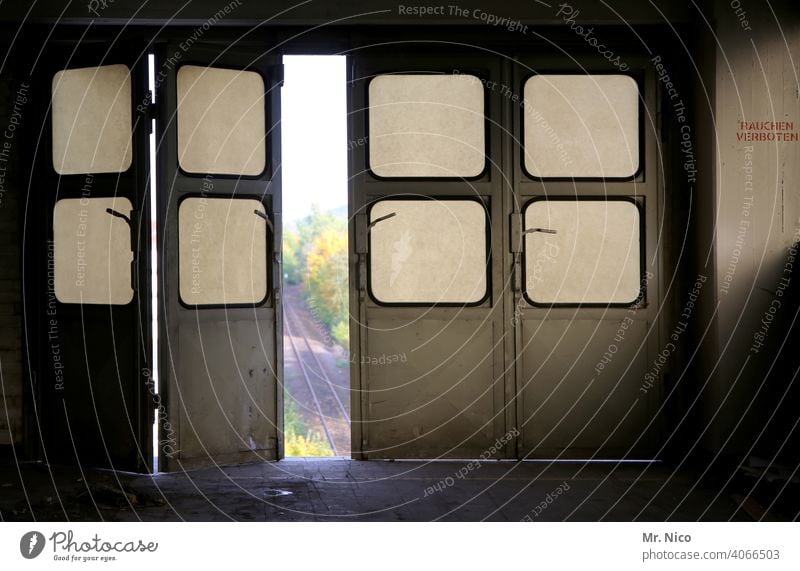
(754, 227)
(12, 102)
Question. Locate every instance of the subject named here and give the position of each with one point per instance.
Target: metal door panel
(528, 359)
(89, 363)
(428, 395)
(221, 365)
(458, 350)
(581, 392)
(217, 420)
(562, 374)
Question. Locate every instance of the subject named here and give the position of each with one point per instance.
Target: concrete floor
(347, 490)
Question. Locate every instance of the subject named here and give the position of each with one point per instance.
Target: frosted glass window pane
(221, 121)
(426, 126)
(429, 252)
(581, 126)
(593, 258)
(92, 120)
(223, 251)
(92, 252)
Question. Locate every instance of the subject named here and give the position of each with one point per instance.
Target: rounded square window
(426, 126)
(221, 121)
(583, 252)
(222, 251)
(428, 251)
(92, 120)
(92, 251)
(581, 126)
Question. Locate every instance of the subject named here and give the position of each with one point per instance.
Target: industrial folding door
(427, 287)
(506, 276)
(588, 299)
(219, 274)
(86, 231)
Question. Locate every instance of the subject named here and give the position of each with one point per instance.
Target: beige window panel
(582, 126)
(428, 252)
(594, 256)
(222, 251)
(221, 121)
(426, 126)
(92, 252)
(92, 120)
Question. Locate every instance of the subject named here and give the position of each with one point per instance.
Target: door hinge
(361, 233)
(152, 112)
(515, 229)
(516, 247)
(148, 110)
(277, 232)
(516, 274)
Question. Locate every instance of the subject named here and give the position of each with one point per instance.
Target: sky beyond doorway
(314, 135)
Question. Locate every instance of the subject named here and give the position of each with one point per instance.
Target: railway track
(293, 329)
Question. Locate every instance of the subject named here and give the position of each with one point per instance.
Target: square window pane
(221, 121)
(583, 126)
(92, 252)
(426, 126)
(429, 252)
(92, 120)
(594, 257)
(222, 251)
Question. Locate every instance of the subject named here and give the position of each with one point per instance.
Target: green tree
(316, 254)
(315, 224)
(326, 276)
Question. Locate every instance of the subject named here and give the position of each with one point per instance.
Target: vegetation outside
(298, 439)
(315, 255)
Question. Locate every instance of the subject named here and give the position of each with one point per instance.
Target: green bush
(312, 444)
(341, 333)
(299, 440)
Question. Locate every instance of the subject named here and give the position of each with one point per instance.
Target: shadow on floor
(348, 490)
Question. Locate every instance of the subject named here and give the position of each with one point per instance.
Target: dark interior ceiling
(342, 12)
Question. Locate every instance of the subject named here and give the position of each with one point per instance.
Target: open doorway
(315, 300)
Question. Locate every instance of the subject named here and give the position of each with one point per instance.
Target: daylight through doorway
(315, 300)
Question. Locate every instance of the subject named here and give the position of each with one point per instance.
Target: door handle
(543, 230)
(265, 217)
(127, 219)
